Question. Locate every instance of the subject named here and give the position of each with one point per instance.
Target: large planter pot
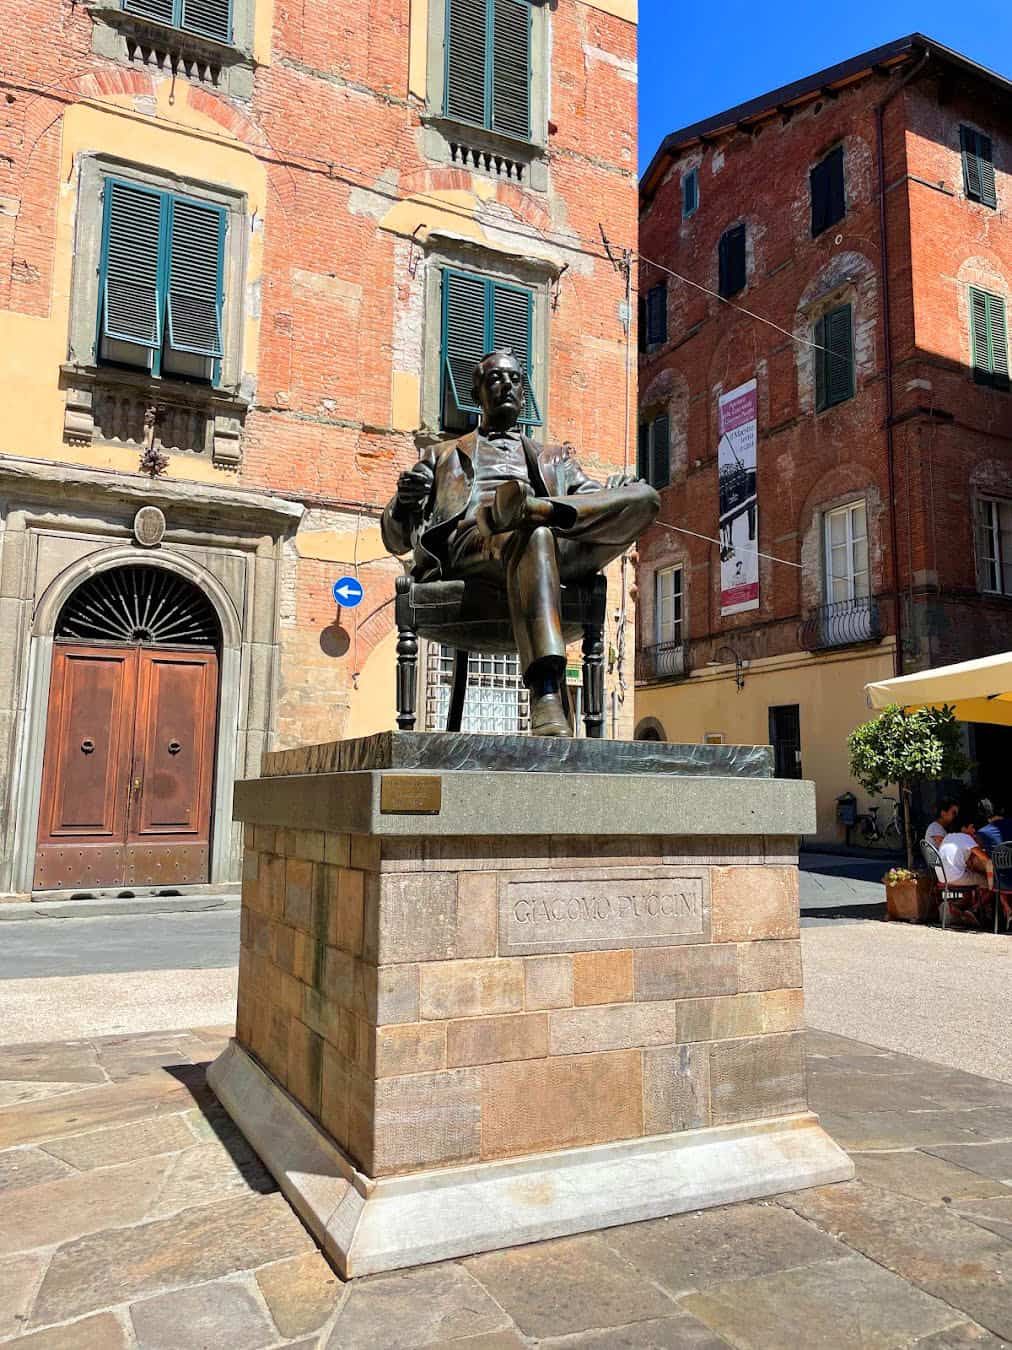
(914, 901)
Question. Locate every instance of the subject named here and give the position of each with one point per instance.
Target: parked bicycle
(891, 832)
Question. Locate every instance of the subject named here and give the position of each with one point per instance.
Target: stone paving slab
(134, 1216)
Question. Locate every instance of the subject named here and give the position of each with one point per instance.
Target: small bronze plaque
(410, 794)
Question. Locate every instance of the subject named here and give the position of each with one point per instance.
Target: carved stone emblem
(149, 526)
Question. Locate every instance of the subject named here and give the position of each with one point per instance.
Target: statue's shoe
(548, 717)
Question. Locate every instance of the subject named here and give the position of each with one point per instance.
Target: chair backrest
(933, 858)
(1001, 860)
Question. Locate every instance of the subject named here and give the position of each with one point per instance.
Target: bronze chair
(470, 617)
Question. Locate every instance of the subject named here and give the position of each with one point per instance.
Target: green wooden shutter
(196, 258)
(979, 336)
(129, 272)
(827, 188)
(467, 66)
(690, 192)
(998, 336)
(643, 453)
(731, 259)
(162, 11)
(840, 356)
(511, 68)
(985, 165)
(971, 166)
(660, 475)
(821, 358)
(210, 18)
(463, 334)
(512, 320)
(657, 314)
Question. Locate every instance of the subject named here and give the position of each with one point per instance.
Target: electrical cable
(735, 548)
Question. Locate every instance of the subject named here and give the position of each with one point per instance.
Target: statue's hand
(621, 480)
(413, 488)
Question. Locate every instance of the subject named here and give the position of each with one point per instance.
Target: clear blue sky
(698, 59)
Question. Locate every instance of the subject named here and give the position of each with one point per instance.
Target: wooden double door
(129, 767)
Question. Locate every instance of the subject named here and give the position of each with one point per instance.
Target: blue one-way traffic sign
(348, 592)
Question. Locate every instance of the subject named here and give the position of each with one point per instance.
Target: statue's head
(498, 387)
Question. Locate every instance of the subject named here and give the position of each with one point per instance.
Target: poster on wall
(736, 476)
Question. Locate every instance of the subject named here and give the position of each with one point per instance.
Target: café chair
(964, 895)
(1001, 861)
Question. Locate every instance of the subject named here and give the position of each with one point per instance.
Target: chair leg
(593, 681)
(407, 677)
(458, 691)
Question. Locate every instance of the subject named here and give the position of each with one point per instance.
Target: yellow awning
(977, 691)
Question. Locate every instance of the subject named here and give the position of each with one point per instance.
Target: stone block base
(366, 1225)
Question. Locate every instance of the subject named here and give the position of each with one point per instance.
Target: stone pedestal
(482, 1006)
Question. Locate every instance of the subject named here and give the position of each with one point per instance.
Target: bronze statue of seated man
(494, 505)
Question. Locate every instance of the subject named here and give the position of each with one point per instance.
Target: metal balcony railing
(662, 661)
(841, 625)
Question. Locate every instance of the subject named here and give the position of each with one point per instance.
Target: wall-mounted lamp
(739, 664)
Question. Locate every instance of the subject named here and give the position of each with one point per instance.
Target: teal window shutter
(161, 11)
(480, 314)
(512, 324)
(657, 314)
(978, 166)
(989, 339)
(643, 453)
(130, 275)
(829, 198)
(834, 358)
(690, 193)
(468, 63)
(487, 73)
(463, 334)
(660, 476)
(511, 67)
(209, 18)
(196, 267)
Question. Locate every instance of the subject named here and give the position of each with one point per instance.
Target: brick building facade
(864, 212)
(226, 233)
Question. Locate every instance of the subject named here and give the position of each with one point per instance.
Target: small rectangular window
(653, 459)
(846, 537)
(994, 545)
(161, 275)
(657, 314)
(480, 314)
(829, 202)
(834, 358)
(207, 18)
(690, 192)
(978, 166)
(668, 605)
(488, 64)
(731, 260)
(989, 339)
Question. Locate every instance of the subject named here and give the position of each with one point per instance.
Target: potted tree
(906, 748)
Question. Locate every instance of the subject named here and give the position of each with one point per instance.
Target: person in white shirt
(945, 820)
(966, 867)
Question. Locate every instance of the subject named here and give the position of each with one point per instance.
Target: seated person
(989, 836)
(1004, 824)
(967, 866)
(945, 816)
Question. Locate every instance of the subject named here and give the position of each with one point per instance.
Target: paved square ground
(132, 1214)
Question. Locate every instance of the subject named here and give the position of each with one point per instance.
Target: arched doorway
(128, 767)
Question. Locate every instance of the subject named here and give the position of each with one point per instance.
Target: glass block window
(497, 701)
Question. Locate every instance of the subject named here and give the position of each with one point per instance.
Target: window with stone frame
(993, 518)
(833, 338)
(206, 41)
(156, 312)
(847, 573)
(488, 87)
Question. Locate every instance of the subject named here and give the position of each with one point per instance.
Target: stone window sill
(107, 405)
(478, 150)
(222, 66)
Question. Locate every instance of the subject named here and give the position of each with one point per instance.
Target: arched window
(139, 606)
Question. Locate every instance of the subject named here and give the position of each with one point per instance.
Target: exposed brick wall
(951, 436)
(340, 136)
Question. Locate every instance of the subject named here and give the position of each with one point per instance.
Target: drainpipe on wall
(887, 337)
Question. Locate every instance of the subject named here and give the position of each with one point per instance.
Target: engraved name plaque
(603, 909)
